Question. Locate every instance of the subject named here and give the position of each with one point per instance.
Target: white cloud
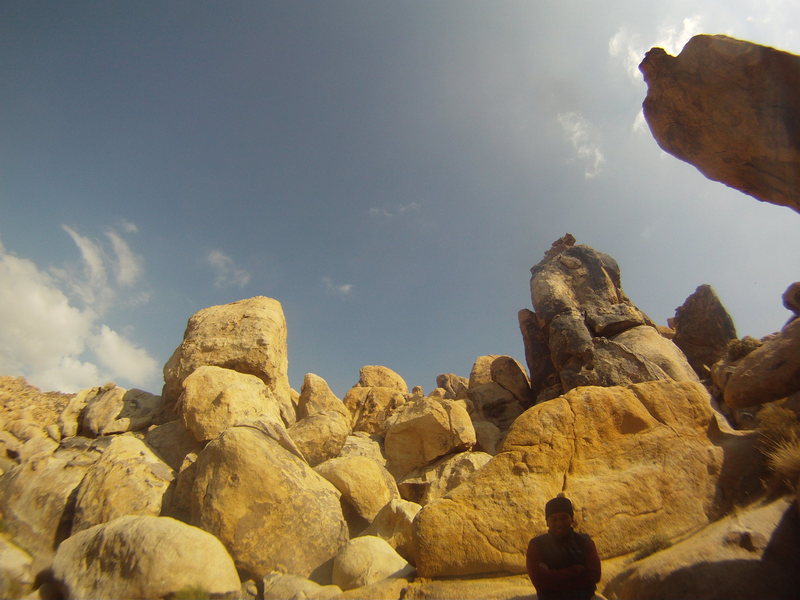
(397, 210)
(226, 273)
(129, 266)
(343, 289)
(122, 358)
(581, 135)
(630, 48)
(55, 344)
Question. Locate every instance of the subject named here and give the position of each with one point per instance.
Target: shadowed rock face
(731, 109)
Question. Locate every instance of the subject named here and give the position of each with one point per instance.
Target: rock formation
(730, 108)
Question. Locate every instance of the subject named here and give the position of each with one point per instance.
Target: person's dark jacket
(572, 566)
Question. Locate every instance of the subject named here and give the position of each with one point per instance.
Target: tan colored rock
(214, 399)
(37, 448)
(647, 343)
(723, 560)
(69, 418)
(16, 570)
(35, 504)
(128, 479)
(729, 107)
(481, 372)
(321, 435)
(371, 407)
(366, 487)
(366, 560)
(248, 489)
(117, 410)
(316, 396)
(543, 373)
(660, 439)
(509, 373)
(424, 431)
(172, 442)
(378, 376)
(703, 329)
(143, 557)
(770, 372)
(280, 586)
(363, 444)
(393, 523)
(248, 336)
(446, 474)
(454, 386)
(24, 429)
(178, 503)
(487, 435)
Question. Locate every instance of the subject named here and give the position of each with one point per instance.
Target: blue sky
(389, 171)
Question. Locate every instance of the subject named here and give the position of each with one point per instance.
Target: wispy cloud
(226, 273)
(58, 344)
(342, 289)
(394, 211)
(630, 47)
(581, 135)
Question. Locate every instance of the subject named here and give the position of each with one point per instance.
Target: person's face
(559, 524)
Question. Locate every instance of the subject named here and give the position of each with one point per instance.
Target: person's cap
(557, 505)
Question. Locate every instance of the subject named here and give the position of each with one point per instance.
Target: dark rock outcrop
(703, 329)
(730, 108)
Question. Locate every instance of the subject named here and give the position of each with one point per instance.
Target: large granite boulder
(770, 372)
(171, 442)
(424, 431)
(380, 376)
(269, 508)
(320, 436)
(637, 460)
(590, 331)
(365, 485)
(730, 108)
(436, 480)
(371, 407)
(248, 336)
(366, 560)
(393, 523)
(703, 329)
(316, 396)
(144, 557)
(280, 586)
(128, 479)
(214, 399)
(16, 570)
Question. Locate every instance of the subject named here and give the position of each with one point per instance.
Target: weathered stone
(37, 502)
(16, 570)
(393, 524)
(36, 448)
(248, 336)
(703, 329)
(436, 480)
(791, 298)
(321, 435)
(454, 386)
(487, 436)
(770, 372)
(280, 586)
(172, 442)
(69, 419)
(214, 399)
(248, 489)
(424, 431)
(316, 396)
(128, 479)
(363, 444)
(144, 557)
(730, 108)
(537, 353)
(648, 344)
(642, 459)
(365, 560)
(481, 372)
(370, 407)
(117, 410)
(366, 487)
(378, 376)
(494, 403)
(505, 372)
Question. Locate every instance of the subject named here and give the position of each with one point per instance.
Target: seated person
(562, 563)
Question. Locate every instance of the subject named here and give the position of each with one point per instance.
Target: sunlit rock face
(731, 109)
